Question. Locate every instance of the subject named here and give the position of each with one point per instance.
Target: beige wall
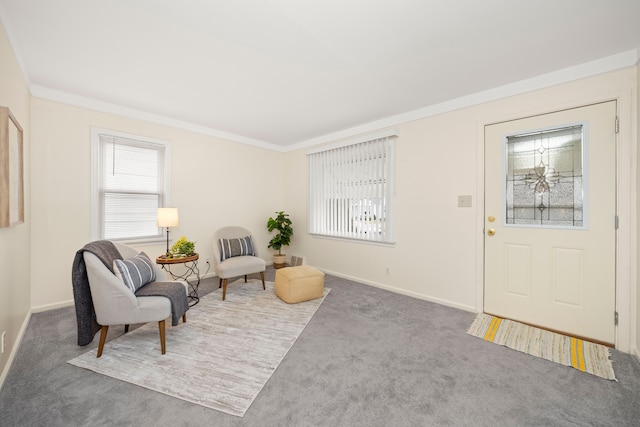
(214, 183)
(438, 255)
(15, 291)
(637, 129)
(435, 251)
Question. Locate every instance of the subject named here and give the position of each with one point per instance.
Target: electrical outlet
(388, 271)
(4, 334)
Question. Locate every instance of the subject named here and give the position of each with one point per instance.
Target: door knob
(491, 232)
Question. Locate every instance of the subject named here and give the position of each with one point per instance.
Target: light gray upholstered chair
(114, 304)
(238, 265)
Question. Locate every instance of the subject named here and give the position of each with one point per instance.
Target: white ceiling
(283, 73)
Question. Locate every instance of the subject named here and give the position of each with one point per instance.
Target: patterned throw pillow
(135, 272)
(236, 247)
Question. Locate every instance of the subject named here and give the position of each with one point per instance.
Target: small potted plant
(282, 224)
(183, 247)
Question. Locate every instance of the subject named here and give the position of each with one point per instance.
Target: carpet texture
(368, 358)
(568, 351)
(220, 358)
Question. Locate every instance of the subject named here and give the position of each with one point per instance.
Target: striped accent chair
(235, 255)
(115, 302)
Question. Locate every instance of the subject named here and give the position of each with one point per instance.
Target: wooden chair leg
(103, 338)
(126, 328)
(262, 277)
(220, 284)
(184, 317)
(245, 278)
(224, 289)
(163, 345)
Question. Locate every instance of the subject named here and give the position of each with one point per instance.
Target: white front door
(550, 212)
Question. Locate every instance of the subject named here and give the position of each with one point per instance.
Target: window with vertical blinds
(351, 190)
(129, 186)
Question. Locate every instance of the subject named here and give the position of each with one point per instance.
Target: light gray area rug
(220, 358)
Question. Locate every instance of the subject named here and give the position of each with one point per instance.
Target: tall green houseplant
(282, 224)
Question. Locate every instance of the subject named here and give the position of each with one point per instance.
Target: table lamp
(167, 217)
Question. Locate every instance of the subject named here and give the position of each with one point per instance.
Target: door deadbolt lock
(491, 232)
(491, 218)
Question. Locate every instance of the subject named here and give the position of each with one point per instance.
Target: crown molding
(610, 63)
(105, 107)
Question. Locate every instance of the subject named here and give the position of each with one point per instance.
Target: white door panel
(550, 209)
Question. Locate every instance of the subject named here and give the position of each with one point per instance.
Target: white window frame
(365, 170)
(96, 180)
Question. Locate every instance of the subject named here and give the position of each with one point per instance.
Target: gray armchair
(114, 304)
(235, 255)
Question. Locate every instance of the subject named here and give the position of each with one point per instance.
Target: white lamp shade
(167, 217)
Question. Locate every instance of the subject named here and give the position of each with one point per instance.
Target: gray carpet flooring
(368, 357)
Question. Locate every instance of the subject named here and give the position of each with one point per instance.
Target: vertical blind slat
(352, 191)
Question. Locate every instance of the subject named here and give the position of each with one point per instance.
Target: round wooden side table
(191, 265)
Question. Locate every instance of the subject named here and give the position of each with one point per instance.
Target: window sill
(354, 240)
(149, 241)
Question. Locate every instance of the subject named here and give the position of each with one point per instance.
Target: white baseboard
(404, 292)
(636, 352)
(47, 307)
(15, 348)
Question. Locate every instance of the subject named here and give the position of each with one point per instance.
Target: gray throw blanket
(172, 290)
(85, 314)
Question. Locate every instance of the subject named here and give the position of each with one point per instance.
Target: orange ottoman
(297, 284)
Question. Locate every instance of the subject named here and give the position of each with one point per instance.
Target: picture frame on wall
(11, 170)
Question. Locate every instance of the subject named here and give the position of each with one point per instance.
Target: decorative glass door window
(544, 178)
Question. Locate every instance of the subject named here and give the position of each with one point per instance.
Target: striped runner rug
(579, 354)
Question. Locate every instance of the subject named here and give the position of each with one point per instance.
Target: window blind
(131, 187)
(351, 190)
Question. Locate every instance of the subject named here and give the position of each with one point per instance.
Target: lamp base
(168, 254)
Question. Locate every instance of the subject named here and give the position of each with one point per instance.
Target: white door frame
(626, 239)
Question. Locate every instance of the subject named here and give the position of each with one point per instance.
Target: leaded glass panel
(544, 179)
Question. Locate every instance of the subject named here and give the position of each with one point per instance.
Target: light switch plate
(464, 201)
